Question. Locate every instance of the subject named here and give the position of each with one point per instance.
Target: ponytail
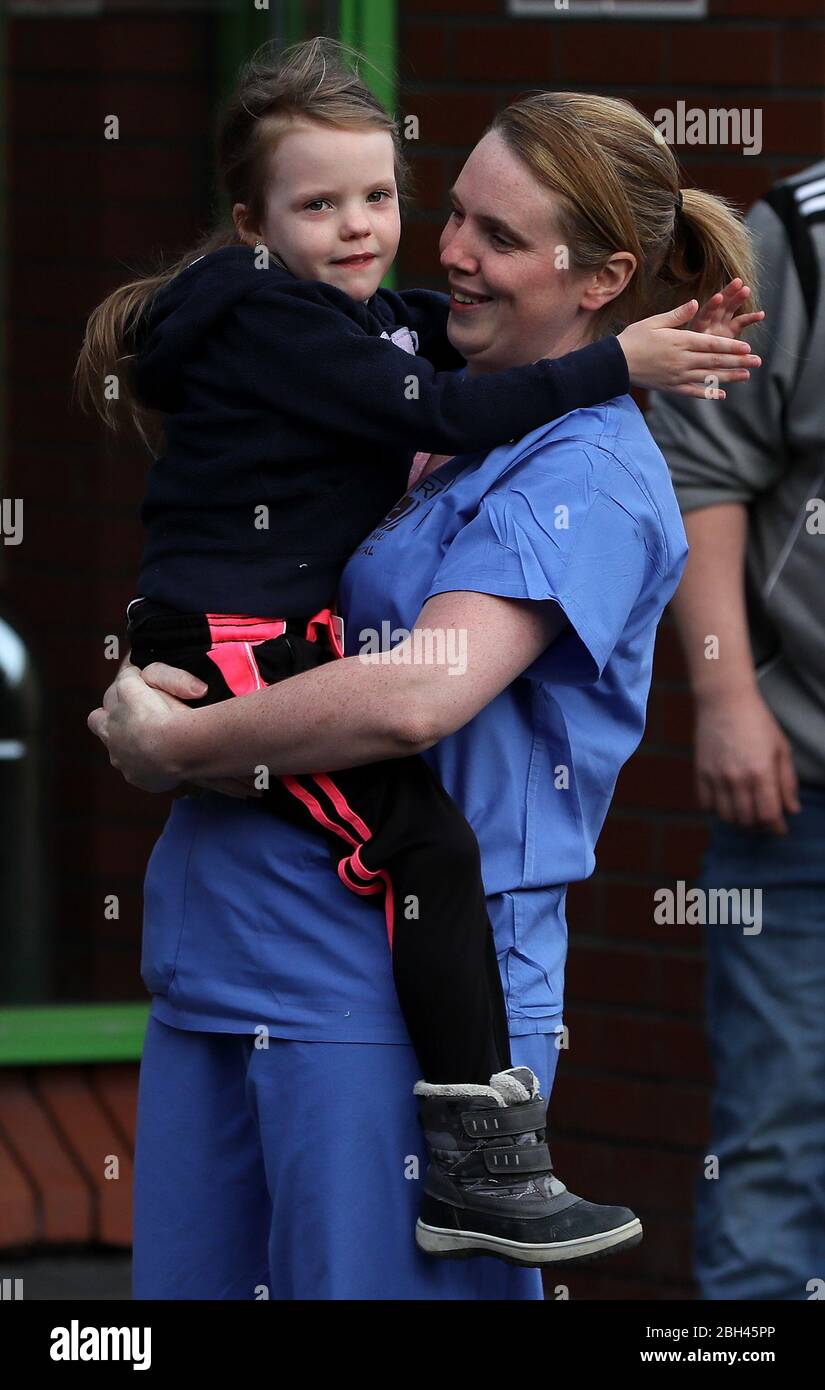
(710, 245)
(100, 382)
(617, 188)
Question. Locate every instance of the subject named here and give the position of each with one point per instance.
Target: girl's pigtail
(101, 377)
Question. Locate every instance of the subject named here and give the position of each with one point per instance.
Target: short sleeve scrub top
(246, 922)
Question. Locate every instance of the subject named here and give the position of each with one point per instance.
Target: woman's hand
(662, 355)
(132, 723)
(173, 680)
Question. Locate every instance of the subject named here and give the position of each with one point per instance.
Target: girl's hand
(663, 356)
(719, 314)
(131, 723)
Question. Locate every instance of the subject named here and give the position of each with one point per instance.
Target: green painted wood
(240, 31)
(371, 26)
(38, 1035)
(3, 252)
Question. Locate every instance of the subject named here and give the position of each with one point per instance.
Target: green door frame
(65, 1033)
(4, 174)
(371, 26)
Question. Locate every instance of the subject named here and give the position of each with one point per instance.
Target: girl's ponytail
(100, 382)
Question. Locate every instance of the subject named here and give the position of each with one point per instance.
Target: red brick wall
(67, 1144)
(630, 1109)
(82, 211)
(631, 1103)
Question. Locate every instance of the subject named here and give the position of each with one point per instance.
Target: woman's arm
(356, 710)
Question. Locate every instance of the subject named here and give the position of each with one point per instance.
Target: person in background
(750, 479)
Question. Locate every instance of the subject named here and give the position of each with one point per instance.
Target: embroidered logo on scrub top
(404, 508)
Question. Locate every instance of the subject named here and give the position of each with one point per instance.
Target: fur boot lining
(468, 1088)
(513, 1091)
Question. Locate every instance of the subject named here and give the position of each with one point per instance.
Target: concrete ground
(92, 1273)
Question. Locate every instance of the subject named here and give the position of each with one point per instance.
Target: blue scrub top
(246, 922)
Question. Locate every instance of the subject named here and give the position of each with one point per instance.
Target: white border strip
(614, 9)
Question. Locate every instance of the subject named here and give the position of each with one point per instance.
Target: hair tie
(679, 201)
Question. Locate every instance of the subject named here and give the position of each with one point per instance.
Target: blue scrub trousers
(293, 1172)
(760, 1226)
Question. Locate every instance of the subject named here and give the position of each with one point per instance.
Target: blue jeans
(760, 1226)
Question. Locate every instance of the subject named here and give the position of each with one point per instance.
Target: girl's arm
(426, 311)
(651, 346)
(300, 350)
(348, 712)
(310, 354)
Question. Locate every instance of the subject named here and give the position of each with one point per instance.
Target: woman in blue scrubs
(278, 1150)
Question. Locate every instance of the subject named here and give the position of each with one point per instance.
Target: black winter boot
(490, 1188)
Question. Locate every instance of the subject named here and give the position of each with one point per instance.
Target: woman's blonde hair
(619, 190)
(310, 81)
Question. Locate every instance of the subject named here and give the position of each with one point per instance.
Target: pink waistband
(236, 627)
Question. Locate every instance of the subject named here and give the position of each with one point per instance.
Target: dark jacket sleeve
(309, 359)
(426, 313)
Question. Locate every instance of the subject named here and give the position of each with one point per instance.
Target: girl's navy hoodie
(291, 418)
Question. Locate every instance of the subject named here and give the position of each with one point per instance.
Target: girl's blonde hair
(619, 190)
(311, 81)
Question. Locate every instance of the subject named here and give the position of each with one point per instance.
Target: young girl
(293, 392)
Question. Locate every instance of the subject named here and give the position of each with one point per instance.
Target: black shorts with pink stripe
(395, 835)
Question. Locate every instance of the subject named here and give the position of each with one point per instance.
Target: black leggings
(393, 830)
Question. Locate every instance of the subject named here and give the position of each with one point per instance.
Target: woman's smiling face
(503, 241)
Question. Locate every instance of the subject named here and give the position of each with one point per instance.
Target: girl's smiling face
(330, 196)
(503, 242)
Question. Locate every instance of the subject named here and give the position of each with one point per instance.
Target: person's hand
(131, 724)
(173, 680)
(743, 762)
(131, 727)
(720, 315)
(664, 356)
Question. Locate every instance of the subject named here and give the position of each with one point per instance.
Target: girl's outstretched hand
(664, 356)
(719, 315)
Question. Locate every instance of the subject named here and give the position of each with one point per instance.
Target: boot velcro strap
(521, 1158)
(510, 1119)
